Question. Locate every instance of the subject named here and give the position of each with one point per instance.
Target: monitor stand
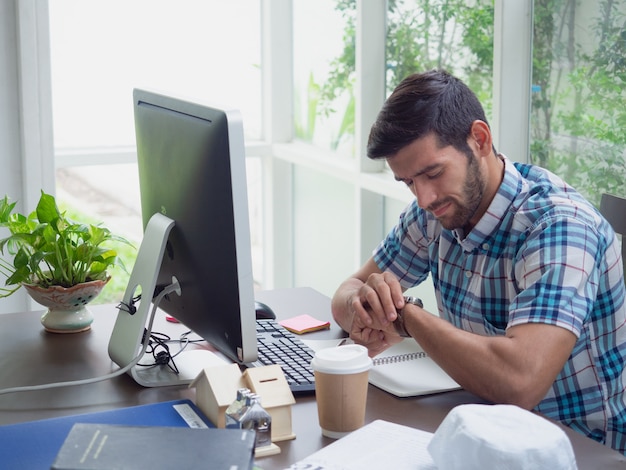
(134, 319)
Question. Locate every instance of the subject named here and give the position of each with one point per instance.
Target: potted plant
(63, 264)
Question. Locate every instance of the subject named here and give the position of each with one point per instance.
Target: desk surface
(30, 356)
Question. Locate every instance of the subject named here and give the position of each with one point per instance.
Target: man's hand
(372, 297)
(378, 300)
(376, 341)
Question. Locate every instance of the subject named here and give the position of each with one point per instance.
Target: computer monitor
(194, 206)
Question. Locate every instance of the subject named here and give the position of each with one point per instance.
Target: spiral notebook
(405, 370)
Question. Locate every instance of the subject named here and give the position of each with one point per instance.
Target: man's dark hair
(433, 101)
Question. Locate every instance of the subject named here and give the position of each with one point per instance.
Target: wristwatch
(399, 321)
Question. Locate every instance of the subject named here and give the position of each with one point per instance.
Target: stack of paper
(379, 444)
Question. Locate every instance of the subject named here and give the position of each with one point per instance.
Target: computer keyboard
(276, 345)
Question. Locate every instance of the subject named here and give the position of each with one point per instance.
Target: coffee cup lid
(347, 359)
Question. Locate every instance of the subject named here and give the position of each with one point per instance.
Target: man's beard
(473, 192)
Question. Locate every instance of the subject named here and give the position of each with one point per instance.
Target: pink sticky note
(304, 324)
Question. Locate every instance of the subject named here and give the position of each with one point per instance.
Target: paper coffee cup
(341, 375)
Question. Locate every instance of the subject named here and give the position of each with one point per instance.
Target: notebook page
(419, 375)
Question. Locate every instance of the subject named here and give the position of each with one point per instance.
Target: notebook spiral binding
(379, 361)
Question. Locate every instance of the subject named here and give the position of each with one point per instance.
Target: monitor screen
(191, 164)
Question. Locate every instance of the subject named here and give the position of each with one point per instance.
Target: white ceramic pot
(67, 306)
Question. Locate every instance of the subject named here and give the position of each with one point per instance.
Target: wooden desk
(29, 356)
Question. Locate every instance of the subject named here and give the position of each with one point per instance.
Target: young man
(528, 275)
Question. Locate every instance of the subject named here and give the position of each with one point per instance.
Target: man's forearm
(516, 368)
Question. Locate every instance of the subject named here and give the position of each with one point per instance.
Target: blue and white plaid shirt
(540, 254)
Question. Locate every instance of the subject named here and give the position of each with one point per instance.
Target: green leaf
(47, 210)
(21, 259)
(6, 208)
(19, 276)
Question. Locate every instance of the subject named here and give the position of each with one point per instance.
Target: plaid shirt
(540, 254)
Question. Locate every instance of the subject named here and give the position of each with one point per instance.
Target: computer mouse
(263, 311)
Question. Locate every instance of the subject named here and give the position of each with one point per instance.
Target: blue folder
(35, 444)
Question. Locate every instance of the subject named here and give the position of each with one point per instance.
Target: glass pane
(203, 50)
(106, 194)
(315, 242)
(455, 35)
(109, 194)
(102, 49)
(578, 100)
(323, 32)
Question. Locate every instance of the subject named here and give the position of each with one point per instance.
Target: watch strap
(399, 321)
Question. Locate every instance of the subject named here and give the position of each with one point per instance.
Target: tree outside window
(578, 112)
(421, 35)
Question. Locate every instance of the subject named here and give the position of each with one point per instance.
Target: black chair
(613, 208)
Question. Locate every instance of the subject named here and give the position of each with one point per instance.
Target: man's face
(444, 180)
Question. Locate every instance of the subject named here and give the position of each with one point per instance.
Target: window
(453, 35)
(421, 35)
(578, 101)
(334, 210)
(205, 50)
(324, 73)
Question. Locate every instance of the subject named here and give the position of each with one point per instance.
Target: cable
(173, 287)
(160, 351)
(184, 341)
(130, 306)
(164, 356)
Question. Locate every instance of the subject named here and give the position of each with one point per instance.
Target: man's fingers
(389, 295)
